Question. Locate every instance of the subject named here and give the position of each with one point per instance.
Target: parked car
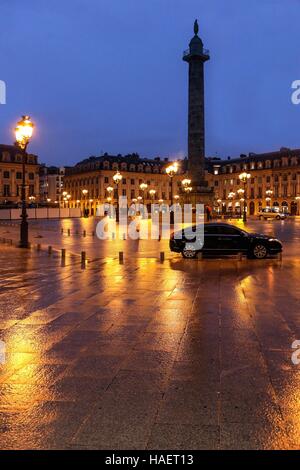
(226, 239)
(269, 213)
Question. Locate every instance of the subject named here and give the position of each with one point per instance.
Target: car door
(211, 233)
(231, 240)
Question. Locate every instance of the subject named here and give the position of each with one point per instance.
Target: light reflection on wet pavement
(179, 355)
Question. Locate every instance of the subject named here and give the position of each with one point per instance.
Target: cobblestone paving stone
(181, 355)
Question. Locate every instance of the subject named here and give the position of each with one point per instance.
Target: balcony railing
(187, 52)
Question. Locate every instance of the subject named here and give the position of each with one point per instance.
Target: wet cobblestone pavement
(181, 355)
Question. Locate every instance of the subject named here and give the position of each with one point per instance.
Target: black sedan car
(225, 239)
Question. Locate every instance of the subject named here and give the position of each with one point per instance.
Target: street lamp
(117, 179)
(241, 193)
(244, 177)
(152, 193)
(85, 193)
(219, 201)
(23, 133)
(188, 190)
(171, 172)
(269, 193)
(186, 182)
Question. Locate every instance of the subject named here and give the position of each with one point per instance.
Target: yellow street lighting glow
(186, 182)
(24, 131)
(117, 177)
(172, 169)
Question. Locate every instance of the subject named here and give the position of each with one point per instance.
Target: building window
(6, 190)
(216, 183)
(31, 190)
(31, 176)
(132, 181)
(6, 174)
(123, 192)
(19, 175)
(106, 179)
(124, 181)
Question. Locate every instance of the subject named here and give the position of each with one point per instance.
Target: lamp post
(91, 205)
(152, 193)
(244, 177)
(23, 133)
(143, 187)
(219, 201)
(84, 192)
(241, 193)
(186, 182)
(231, 195)
(117, 179)
(269, 193)
(171, 172)
(188, 190)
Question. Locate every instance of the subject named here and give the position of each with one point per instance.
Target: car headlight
(274, 240)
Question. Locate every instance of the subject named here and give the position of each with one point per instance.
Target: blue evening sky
(108, 75)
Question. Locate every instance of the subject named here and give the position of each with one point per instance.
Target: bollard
(240, 255)
(124, 236)
(84, 233)
(121, 257)
(49, 250)
(38, 247)
(63, 253)
(162, 256)
(62, 230)
(280, 256)
(200, 255)
(113, 235)
(93, 234)
(83, 256)
(69, 232)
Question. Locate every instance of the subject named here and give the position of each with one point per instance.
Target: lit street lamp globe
(24, 131)
(117, 177)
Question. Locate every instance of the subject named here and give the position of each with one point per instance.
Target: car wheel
(259, 251)
(188, 253)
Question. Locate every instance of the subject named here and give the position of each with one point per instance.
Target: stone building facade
(51, 184)
(95, 174)
(11, 175)
(278, 172)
